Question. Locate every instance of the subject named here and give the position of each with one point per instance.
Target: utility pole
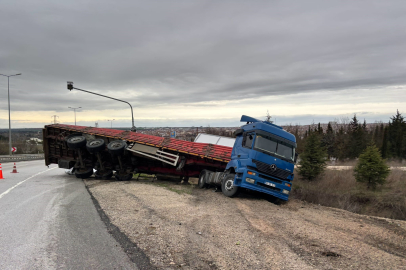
(55, 116)
(111, 121)
(74, 110)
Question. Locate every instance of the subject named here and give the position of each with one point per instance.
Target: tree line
(354, 140)
(349, 140)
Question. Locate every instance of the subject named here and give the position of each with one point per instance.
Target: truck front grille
(266, 168)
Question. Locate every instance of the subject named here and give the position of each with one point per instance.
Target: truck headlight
(287, 184)
(285, 192)
(250, 180)
(251, 173)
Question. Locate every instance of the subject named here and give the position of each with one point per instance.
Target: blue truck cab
(263, 158)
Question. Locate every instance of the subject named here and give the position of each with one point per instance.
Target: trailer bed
(202, 150)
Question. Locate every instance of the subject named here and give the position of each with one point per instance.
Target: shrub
(313, 159)
(371, 168)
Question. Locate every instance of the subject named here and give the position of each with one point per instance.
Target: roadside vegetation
(369, 186)
(339, 189)
(24, 145)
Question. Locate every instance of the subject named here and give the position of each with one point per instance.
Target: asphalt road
(48, 221)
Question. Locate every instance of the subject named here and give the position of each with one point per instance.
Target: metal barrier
(14, 158)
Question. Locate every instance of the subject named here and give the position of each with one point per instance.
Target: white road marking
(10, 189)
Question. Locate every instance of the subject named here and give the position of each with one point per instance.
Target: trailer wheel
(117, 147)
(103, 175)
(95, 146)
(76, 142)
(228, 188)
(84, 173)
(123, 177)
(202, 183)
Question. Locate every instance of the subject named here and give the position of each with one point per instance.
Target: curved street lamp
(70, 87)
(9, 118)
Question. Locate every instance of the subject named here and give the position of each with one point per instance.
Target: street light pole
(111, 121)
(70, 87)
(74, 110)
(9, 118)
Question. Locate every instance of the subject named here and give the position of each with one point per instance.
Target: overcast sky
(199, 63)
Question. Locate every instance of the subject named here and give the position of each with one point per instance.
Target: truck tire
(76, 142)
(84, 173)
(202, 176)
(103, 175)
(123, 177)
(95, 146)
(117, 147)
(228, 188)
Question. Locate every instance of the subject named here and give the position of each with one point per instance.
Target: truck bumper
(271, 186)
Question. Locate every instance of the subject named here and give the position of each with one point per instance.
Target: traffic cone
(1, 172)
(14, 168)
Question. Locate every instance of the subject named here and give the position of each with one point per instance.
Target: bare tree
(268, 117)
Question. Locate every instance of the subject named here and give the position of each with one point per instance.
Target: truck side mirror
(238, 132)
(296, 155)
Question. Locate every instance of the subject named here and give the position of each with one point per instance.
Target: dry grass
(352, 162)
(338, 188)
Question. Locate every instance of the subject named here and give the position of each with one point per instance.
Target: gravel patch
(183, 227)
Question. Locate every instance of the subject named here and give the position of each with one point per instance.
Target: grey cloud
(171, 52)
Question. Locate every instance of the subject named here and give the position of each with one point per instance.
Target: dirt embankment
(183, 227)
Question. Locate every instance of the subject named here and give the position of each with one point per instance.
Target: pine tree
(357, 138)
(384, 148)
(397, 136)
(329, 140)
(319, 129)
(313, 159)
(377, 136)
(364, 125)
(340, 143)
(371, 168)
(329, 128)
(354, 124)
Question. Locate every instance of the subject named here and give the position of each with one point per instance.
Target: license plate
(270, 184)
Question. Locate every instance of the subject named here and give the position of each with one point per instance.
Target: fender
(235, 166)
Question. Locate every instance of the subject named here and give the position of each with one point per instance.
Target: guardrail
(14, 158)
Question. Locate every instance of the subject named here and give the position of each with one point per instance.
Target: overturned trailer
(84, 148)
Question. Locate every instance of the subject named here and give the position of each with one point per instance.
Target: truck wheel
(227, 186)
(202, 183)
(84, 173)
(95, 146)
(103, 175)
(123, 177)
(76, 142)
(117, 147)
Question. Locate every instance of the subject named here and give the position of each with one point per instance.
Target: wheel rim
(75, 139)
(229, 185)
(116, 145)
(95, 143)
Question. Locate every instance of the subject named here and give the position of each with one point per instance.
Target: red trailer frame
(196, 156)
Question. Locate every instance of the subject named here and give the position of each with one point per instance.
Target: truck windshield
(274, 148)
